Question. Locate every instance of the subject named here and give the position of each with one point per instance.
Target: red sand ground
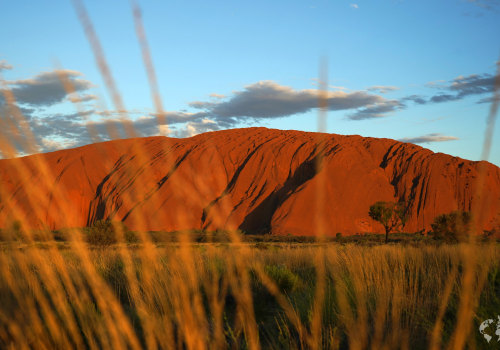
(257, 179)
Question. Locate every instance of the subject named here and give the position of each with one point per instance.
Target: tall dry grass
(73, 295)
(374, 297)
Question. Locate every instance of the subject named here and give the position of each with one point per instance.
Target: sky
(416, 71)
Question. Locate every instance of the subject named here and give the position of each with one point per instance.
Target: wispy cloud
(490, 99)
(4, 65)
(214, 95)
(415, 98)
(354, 6)
(486, 4)
(382, 89)
(434, 137)
(431, 120)
(81, 98)
(436, 84)
(462, 87)
(377, 110)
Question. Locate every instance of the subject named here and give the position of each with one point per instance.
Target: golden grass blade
(148, 64)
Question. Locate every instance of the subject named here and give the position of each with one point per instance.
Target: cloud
(254, 102)
(382, 89)
(57, 131)
(201, 104)
(171, 117)
(489, 99)
(444, 98)
(335, 87)
(377, 110)
(490, 5)
(354, 6)
(69, 127)
(434, 137)
(4, 65)
(46, 89)
(36, 96)
(81, 98)
(262, 100)
(473, 84)
(180, 124)
(61, 130)
(49, 145)
(462, 87)
(267, 99)
(436, 84)
(195, 128)
(214, 95)
(415, 98)
(317, 82)
(32, 97)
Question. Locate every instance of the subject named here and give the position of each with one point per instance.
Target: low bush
(285, 278)
(104, 233)
(452, 227)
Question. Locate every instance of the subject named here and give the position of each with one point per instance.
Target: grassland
(247, 294)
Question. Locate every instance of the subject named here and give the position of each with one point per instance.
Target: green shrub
(103, 233)
(286, 280)
(452, 227)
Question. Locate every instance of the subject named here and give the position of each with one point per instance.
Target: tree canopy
(391, 215)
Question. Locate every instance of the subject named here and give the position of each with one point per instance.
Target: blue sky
(417, 71)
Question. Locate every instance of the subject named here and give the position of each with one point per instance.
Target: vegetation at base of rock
(263, 241)
(452, 227)
(390, 214)
(106, 232)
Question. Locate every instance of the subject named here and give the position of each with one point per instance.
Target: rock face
(257, 180)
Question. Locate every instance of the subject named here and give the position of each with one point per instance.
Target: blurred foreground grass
(244, 295)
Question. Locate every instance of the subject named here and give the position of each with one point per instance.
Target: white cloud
(434, 137)
(81, 98)
(195, 128)
(382, 88)
(49, 144)
(214, 95)
(354, 6)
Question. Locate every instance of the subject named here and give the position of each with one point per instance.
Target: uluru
(256, 180)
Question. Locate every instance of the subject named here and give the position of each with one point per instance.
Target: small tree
(391, 215)
(452, 227)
